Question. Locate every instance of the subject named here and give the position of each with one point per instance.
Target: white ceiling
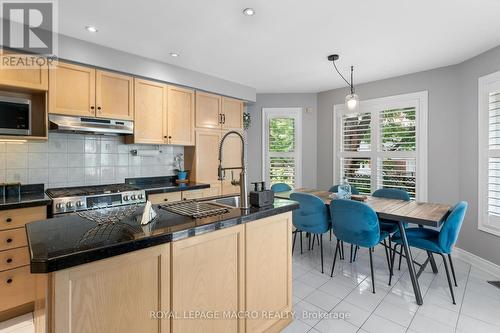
(283, 48)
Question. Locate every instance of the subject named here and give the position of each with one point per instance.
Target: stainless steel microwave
(15, 116)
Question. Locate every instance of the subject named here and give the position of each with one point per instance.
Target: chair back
(280, 187)
(335, 189)
(392, 193)
(448, 234)
(312, 215)
(354, 222)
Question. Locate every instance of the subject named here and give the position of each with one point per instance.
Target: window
(282, 146)
(489, 153)
(384, 145)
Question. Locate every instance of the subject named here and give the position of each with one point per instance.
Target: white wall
(73, 160)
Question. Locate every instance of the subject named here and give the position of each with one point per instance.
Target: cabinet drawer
(17, 287)
(14, 258)
(16, 218)
(13, 238)
(193, 194)
(164, 197)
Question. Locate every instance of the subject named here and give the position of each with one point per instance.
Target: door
(72, 90)
(268, 247)
(282, 146)
(180, 116)
(36, 78)
(114, 95)
(231, 158)
(115, 295)
(232, 113)
(206, 155)
(150, 108)
(208, 276)
(208, 110)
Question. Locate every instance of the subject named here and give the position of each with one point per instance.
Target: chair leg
(448, 277)
(393, 257)
(350, 259)
(301, 243)
(335, 257)
(400, 256)
(313, 237)
(331, 235)
(356, 248)
(294, 237)
(452, 270)
(308, 235)
(321, 250)
(342, 250)
(387, 255)
(371, 269)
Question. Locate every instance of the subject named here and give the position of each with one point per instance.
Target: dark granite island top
(72, 240)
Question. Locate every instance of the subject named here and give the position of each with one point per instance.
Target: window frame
(419, 100)
(295, 112)
(486, 84)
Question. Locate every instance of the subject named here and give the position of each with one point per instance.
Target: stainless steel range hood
(90, 125)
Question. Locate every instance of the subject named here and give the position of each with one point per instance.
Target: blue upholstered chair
(390, 193)
(335, 189)
(356, 223)
(280, 187)
(440, 242)
(311, 217)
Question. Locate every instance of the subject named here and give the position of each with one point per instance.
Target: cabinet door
(161, 198)
(150, 108)
(72, 90)
(192, 194)
(180, 119)
(114, 295)
(231, 158)
(17, 287)
(114, 95)
(208, 110)
(206, 154)
(208, 276)
(232, 113)
(268, 247)
(36, 78)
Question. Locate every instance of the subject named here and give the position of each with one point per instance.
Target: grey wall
(254, 133)
(101, 56)
(452, 143)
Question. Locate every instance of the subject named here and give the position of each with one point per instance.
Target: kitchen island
(223, 273)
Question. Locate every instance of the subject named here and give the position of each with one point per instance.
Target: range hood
(75, 124)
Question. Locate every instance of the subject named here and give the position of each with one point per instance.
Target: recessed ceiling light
(249, 11)
(173, 54)
(91, 28)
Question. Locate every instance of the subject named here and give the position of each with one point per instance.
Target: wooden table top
(424, 213)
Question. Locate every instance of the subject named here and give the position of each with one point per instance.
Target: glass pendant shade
(352, 102)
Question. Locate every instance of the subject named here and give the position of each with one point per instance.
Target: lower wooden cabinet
(17, 287)
(161, 198)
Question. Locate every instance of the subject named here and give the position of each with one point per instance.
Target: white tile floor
(319, 300)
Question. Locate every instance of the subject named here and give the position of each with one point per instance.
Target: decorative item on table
(149, 213)
(359, 197)
(247, 120)
(181, 173)
(344, 190)
(260, 197)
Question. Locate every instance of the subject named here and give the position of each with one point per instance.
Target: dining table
(424, 214)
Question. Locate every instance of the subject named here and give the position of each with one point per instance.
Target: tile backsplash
(74, 159)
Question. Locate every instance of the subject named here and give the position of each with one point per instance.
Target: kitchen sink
(228, 201)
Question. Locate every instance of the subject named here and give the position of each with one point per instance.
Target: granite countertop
(30, 196)
(164, 184)
(72, 240)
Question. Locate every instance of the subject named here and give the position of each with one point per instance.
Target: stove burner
(88, 190)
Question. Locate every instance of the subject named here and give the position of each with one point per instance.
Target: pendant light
(351, 100)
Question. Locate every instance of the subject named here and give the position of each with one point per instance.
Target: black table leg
(409, 261)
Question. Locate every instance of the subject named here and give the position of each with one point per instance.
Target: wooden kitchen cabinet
(161, 198)
(114, 295)
(268, 280)
(208, 275)
(114, 95)
(208, 110)
(206, 155)
(36, 78)
(232, 113)
(180, 116)
(150, 108)
(72, 90)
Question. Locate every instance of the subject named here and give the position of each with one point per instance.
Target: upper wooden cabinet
(36, 78)
(232, 113)
(114, 95)
(150, 105)
(216, 112)
(72, 90)
(180, 116)
(76, 90)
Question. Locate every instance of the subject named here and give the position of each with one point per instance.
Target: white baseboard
(476, 261)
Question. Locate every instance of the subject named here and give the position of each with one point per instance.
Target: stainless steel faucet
(243, 175)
